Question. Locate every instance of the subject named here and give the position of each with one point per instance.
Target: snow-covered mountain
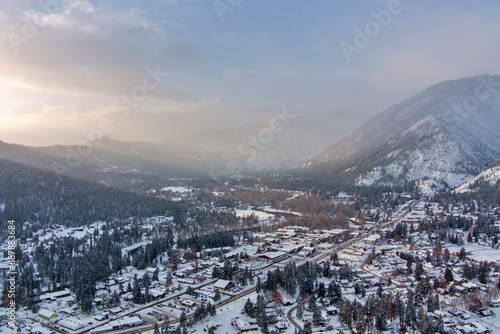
(490, 177)
(448, 133)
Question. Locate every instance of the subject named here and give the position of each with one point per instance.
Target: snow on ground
(77, 233)
(419, 166)
(479, 253)
(269, 209)
(491, 175)
(248, 212)
(177, 189)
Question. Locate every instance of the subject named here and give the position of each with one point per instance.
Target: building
(46, 315)
(72, 324)
(272, 256)
(55, 295)
(223, 285)
(372, 239)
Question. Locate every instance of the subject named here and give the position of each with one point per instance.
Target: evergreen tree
(317, 319)
(321, 290)
(182, 319)
(462, 255)
(410, 312)
(217, 296)
(419, 271)
(448, 275)
(249, 308)
(307, 328)
(300, 308)
(258, 287)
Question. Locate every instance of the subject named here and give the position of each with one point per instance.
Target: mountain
(130, 165)
(490, 178)
(42, 197)
(448, 133)
(259, 146)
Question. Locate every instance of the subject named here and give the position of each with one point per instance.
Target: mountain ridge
(434, 134)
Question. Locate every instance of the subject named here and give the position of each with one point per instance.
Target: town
(408, 264)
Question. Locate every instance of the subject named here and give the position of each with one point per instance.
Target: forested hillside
(42, 198)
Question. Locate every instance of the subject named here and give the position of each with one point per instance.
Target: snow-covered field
(248, 212)
(177, 189)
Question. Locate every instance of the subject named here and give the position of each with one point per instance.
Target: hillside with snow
(490, 177)
(449, 133)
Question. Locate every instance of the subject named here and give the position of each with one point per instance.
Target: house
(46, 315)
(55, 295)
(72, 323)
(480, 329)
(126, 322)
(332, 310)
(486, 313)
(307, 251)
(282, 325)
(115, 310)
(372, 239)
(157, 293)
(242, 326)
(223, 285)
(272, 256)
(494, 303)
(101, 317)
(188, 303)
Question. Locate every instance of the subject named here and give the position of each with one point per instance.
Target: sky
(150, 70)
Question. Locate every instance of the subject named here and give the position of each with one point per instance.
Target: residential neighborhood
(433, 266)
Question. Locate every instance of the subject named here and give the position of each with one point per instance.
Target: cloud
(81, 56)
(80, 50)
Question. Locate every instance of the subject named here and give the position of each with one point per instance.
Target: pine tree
(307, 328)
(463, 254)
(217, 296)
(419, 271)
(249, 308)
(446, 255)
(335, 259)
(317, 319)
(166, 323)
(321, 290)
(410, 312)
(448, 275)
(258, 287)
(300, 308)
(182, 319)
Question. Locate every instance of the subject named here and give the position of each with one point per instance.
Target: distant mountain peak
(449, 132)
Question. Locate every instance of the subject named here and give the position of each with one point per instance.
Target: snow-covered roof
(222, 284)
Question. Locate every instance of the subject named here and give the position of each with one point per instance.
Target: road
(292, 320)
(244, 293)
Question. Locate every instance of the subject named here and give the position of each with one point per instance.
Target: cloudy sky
(68, 65)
